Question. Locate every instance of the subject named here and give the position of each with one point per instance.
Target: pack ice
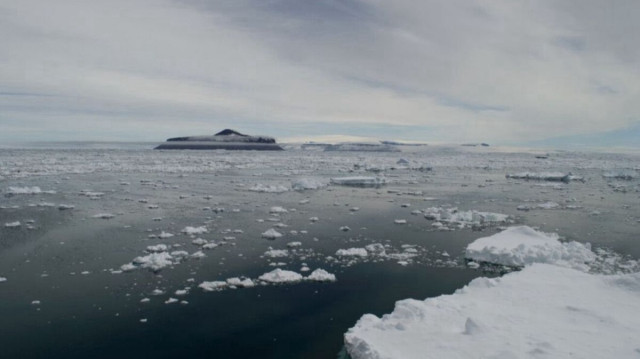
(549, 309)
(542, 311)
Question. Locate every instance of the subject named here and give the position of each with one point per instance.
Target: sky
(497, 71)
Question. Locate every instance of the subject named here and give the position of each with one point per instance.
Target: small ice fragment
(345, 228)
(321, 275)
(15, 224)
(400, 221)
(271, 234)
(170, 301)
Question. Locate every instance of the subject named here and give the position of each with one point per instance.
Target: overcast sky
(499, 71)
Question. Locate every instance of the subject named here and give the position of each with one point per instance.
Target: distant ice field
(134, 252)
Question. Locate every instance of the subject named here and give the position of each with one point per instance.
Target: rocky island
(224, 140)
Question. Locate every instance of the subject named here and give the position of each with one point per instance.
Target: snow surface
(543, 311)
(523, 245)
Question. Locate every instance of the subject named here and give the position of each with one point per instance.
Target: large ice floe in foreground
(523, 245)
(223, 140)
(546, 310)
(543, 311)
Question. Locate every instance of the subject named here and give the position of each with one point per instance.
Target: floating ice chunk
(522, 245)
(345, 228)
(181, 292)
(241, 283)
(35, 302)
(281, 276)
(194, 230)
(164, 234)
(464, 218)
(276, 253)
(198, 255)
(271, 234)
(153, 261)
(491, 318)
(199, 241)
(210, 245)
(64, 207)
(157, 292)
(170, 301)
(24, 190)
(157, 248)
(3, 279)
(15, 224)
(268, 188)
(314, 219)
(278, 209)
(548, 205)
(294, 244)
(321, 275)
(213, 286)
(352, 252)
(302, 184)
(359, 181)
(400, 221)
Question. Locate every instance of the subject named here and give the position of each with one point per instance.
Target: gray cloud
(460, 71)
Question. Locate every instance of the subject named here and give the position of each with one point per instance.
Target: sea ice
(276, 253)
(194, 230)
(15, 224)
(464, 218)
(359, 181)
(213, 286)
(352, 252)
(153, 261)
(302, 184)
(576, 314)
(268, 188)
(522, 245)
(281, 276)
(271, 234)
(321, 275)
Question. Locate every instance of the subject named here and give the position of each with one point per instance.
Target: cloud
(455, 71)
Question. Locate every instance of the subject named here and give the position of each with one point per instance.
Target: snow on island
(224, 140)
(577, 314)
(542, 311)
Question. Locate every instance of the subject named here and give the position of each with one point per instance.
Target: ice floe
(302, 184)
(281, 276)
(462, 219)
(576, 315)
(271, 234)
(194, 230)
(268, 188)
(523, 245)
